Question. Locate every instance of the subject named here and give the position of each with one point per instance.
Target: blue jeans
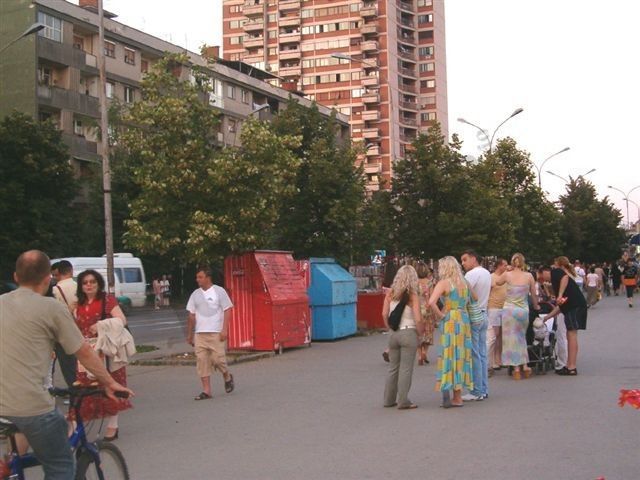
(47, 435)
(479, 357)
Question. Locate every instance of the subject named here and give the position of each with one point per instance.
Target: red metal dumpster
(369, 311)
(271, 306)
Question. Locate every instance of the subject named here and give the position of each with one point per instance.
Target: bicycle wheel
(112, 464)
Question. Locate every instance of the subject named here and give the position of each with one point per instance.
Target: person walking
(494, 312)
(454, 371)
(157, 292)
(606, 278)
(94, 306)
(31, 323)
(425, 286)
(616, 274)
(515, 316)
(209, 310)
(593, 287)
(579, 275)
(403, 342)
(65, 291)
(630, 280)
(479, 280)
(166, 290)
(572, 304)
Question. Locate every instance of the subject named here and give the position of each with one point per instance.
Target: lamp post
(517, 111)
(626, 199)
(36, 27)
(569, 181)
(539, 168)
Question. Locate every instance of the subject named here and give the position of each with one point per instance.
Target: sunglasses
(89, 282)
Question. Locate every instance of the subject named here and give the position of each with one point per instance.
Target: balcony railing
(370, 81)
(289, 54)
(408, 72)
(369, 46)
(284, 5)
(408, 121)
(407, 23)
(69, 100)
(254, 26)
(404, 38)
(407, 88)
(370, 115)
(372, 168)
(405, 5)
(289, 37)
(252, 42)
(366, 12)
(407, 138)
(369, 29)
(252, 10)
(411, 56)
(289, 21)
(409, 106)
(371, 98)
(373, 150)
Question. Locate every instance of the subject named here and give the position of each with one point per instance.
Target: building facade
(382, 62)
(54, 74)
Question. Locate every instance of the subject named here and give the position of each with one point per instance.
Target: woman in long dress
(425, 286)
(515, 316)
(94, 305)
(454, 358)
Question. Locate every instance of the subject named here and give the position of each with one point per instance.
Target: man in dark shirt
(573, 306)
(630, 280)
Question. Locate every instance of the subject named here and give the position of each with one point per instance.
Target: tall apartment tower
(382, 62)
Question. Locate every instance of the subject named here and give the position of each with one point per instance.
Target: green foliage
(36, 191)
(591, 227)
(191, 201)
(321, 217)
(375, 227)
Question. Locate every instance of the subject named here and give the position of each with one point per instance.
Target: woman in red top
(95, 305)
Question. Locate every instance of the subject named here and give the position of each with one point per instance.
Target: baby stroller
(541, 341)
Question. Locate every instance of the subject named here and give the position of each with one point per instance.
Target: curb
(231, 360)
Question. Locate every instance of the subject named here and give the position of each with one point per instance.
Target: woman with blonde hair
(454, 358)
(403, 342)
(515, 316)
(426, 283)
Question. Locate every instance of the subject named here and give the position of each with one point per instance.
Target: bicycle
(108, 461)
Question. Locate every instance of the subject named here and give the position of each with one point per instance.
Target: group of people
(161, 291)
(483, 319)
(33, 326)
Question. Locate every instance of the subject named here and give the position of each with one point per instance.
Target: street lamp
(539, 168)
(637, 206)
(569, 181)
(517, 111)
(626, 198)
(36, 27)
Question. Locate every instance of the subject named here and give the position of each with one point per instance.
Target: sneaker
(470, 397)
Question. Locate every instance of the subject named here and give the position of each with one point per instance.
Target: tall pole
(625, 196)
(106, 170)
(539, 168)
(517, 111)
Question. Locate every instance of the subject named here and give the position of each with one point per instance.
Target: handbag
(396, 315)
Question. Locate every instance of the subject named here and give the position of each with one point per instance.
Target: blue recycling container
(333, 296)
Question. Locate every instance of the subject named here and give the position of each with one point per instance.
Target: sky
(572, 65)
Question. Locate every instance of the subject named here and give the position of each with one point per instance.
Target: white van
(129, 274)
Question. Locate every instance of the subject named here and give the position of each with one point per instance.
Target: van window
(118, 272)
(132, 275)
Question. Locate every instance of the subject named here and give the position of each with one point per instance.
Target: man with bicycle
(30, 325)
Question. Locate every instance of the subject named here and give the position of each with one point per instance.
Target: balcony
(81, 148)
(407, 138)
(253, 42)
(412, 122)
(370, 115)
(368, 12)
(406, 6)
(407, 72)
(291, 54)
(285, 5)
(292, 71)
(253, 10)
(369, 46)
(371, 133)
(372, 186)
(413, 106)
(254, 26)
(63, 99)
(289, 21)
(372, 168)
(406, 38)
(407, 55)
(369, 63)
(373, 150)
(253, 58)
(369, 29)
(370, 98)
(289, 37)
(370, 81)
(403, 87)
(407, 23)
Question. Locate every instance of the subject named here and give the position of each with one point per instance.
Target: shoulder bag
(396, 315)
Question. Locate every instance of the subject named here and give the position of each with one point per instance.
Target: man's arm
(94, 364)
(191, 326)
(224, 334)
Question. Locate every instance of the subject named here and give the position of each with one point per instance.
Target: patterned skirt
(515, 321)
(454, 356)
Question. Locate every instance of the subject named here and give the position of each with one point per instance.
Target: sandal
(408, 406)
(572, 372)
(203, 396)
(229, 385)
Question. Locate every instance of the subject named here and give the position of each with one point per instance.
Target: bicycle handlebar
(82, 391)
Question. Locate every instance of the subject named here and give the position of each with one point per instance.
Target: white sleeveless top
(407, 320)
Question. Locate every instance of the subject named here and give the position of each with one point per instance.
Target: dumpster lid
(281, 276)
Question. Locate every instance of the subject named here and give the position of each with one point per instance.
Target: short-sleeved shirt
(209, 307)
(498, 294)
(572, 292)
(30, 325)
(592, 279)
(580, 274)
(480, 280)
(66, 291)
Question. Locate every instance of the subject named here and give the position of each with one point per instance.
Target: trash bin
(332, 296)
(370, 309)
(271, 305)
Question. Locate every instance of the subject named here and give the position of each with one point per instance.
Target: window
(425, 51)
(428, 116)
(129, 94)
(53, 29)
(427, 67)
(44, 76)
(132, 275)
(231, 91)
(232, 126)
(425, 102)
(426, 35)
(244, 95)
(425, 18)
(111, 89)
(129, 56)
(425, 3)
(109, 49)
(235, 40)
(77, 127)
(144, 66)
(78, 42)
(427, 84)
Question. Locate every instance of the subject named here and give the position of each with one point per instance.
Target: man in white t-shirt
(479, 279)
(207, 329)
(580, 275)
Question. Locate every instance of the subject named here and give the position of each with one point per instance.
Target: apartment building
(54, 74)
(382, 62)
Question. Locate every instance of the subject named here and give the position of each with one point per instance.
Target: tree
(192, 201)
(36, 192)
(590, 227)
(375, 227)
(321, 217)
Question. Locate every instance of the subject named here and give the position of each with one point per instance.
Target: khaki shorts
(210, 351)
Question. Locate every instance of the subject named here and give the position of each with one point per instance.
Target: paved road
(154, 326)
(316, 413)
